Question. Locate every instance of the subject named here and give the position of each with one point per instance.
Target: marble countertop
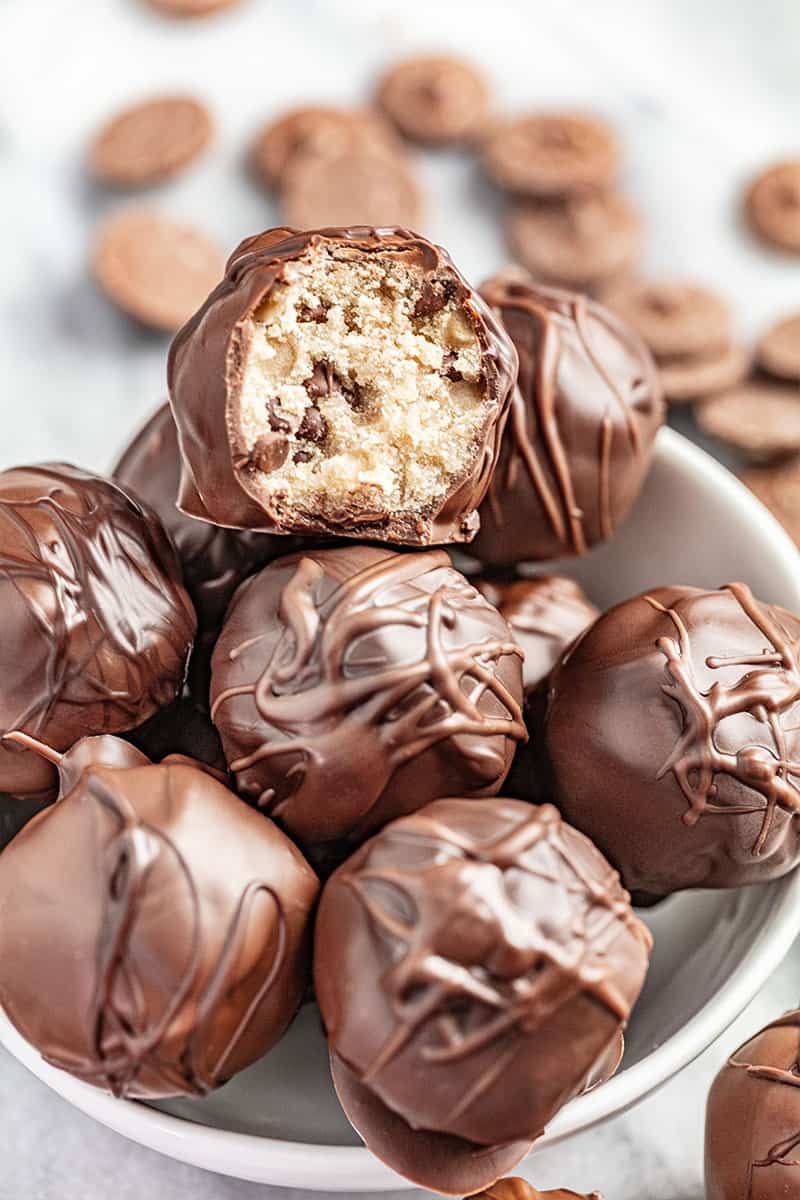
(702, 94)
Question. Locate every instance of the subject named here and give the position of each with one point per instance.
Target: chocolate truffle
(673, 732)
(353, 685)
(97, 626)
(345, 382)
(473, 962)
(583, 421)
(214, 560)
(174, 967)
(753, 1118)
(520, 1189)
(546, 614)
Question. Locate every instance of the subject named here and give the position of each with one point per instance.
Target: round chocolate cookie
(545, 614)
(582, 241)
(583, 421)
(345, 382)
(97, 626)
(358, 187)
(191, 8)
(696, 376)
(753, 1118)
(150, 141)
(214, 560)
(520, 1189)
(673, 318)
(779, 349)
(673, 732)
(772, 204)
(351, 686)
(762, 420)
(317, 132)
(154, 270)
(778, 487)
(551, 154)
(174, 968)
(473, 962)
(437, 100)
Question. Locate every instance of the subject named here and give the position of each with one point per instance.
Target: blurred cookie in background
(316, 131)
(551, 154)
(772, 205)
(778, 488)
(779, 349)
(761, 420)
(436, 100)
(149, 141)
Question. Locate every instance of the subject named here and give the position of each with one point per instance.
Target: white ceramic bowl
(279, 1122)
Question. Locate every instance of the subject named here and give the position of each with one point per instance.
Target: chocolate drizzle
(98, 627)
(195, 970)
(581, 426)
(767, 692)
(340, 674)
(449, 915)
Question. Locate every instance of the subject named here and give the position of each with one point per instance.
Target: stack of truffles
(272, 735)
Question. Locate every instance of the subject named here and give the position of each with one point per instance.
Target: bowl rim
(353, 1168)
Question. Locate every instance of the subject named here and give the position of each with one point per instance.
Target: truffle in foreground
(174, 967)
(673, 733)
(520, 1189)
(354, 685)
(343, 382)
(474, 963)
(753, 1118)
(580, 435)
(97, 626)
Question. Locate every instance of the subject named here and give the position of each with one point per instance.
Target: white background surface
(702, 92)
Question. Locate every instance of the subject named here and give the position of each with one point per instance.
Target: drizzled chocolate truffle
(520, 1189)
(580, 434)
(175, 967)
(344, 381)
(353, 685)
(97, 626)
(753, 1118)
(673, 732)
(214, 560)
(473, 963)
(546, 614)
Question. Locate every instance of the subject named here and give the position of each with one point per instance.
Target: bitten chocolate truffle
(174, 967)
(546, 614)
(214, 560)
(97, 626)
(753, 1118)
(520, 1189)
(347, 381)
(353, 685)
(580, 435)
(673, 732)
(473, 962)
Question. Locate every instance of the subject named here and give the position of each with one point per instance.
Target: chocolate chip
(449, 369)
(434, 295)
(323, 381)
(270, 452)
(277, 422)
(313, 427)
(316, 316)
(302, 456)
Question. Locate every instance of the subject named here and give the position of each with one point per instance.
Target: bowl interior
(693, 524)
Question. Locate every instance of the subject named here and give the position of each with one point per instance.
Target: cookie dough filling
(362, 392)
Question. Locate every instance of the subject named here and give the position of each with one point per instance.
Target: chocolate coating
(673, 732)
(753, 1118)
(473, 962)
(214, 560)
(353, 685)
(174, 967)
(580, 435)
(546, 614)
(97, 626)
(206, 365)
(520, 1189)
